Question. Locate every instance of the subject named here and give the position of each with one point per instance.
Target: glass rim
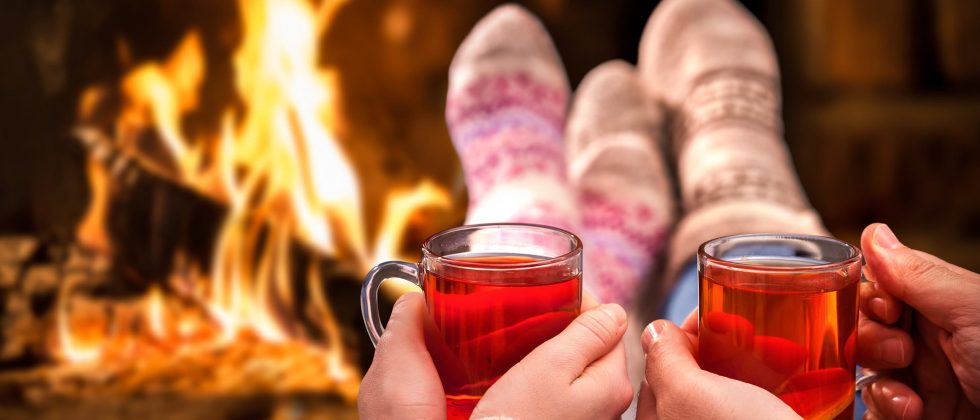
(854, 254)
(576, 245)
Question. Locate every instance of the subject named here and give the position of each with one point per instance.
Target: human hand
(940, 375)
(675, 387)
(578, 374)
(402, 381)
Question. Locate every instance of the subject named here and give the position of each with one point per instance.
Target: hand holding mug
(402, 381)
(580, 373)
(675, 387)
(938, 353)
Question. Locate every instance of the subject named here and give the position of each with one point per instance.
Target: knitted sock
(506, 113)
(615, 161)
(715, 68)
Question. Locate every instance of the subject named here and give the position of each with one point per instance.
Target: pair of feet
(707, 79)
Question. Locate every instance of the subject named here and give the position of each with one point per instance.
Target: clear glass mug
(780, 311)
(493, 293)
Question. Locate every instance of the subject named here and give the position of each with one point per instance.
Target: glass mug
(493, 293)
(780, 311)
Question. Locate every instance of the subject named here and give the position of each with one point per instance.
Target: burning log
(159, 231)
(247, 374)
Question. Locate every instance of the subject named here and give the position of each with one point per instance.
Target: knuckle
(658, 375)
(919, 272)
(623, 395)
(919, 269)
(598, 328)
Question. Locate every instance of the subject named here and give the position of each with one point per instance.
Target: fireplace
(239, 188)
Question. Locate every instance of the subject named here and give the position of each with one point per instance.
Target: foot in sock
(616, 165)
(714, 66)
(505, 111)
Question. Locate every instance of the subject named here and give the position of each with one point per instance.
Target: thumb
(590, 336)
(402, 348)
(405, 323)
(670, 356)
(401, 358)
(939, 290)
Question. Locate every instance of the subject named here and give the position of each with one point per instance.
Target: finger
(588, 301)
(690, 327)
(690, 324)
(879, 305)
(605, 384)
(646, 402)
(869, 403)
(590, 336)
(404, 329)
(939, 290)
(670, 355)
(883, 347)
(402, 358)
(894, 400)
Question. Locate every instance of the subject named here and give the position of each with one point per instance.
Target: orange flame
(276, 166)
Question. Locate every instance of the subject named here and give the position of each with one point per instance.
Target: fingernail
(652, 333)
(885, 238)
(880, 307)
(892, 351)
(615, 312)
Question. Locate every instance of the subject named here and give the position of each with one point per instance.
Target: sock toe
(508, 40)
(609, 100)
(685, 40)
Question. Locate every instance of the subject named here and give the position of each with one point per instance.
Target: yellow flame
(91, 231)
(156, 316)
(72, 347)
(399, 208)
(275, 164)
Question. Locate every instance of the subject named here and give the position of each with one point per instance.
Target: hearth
(216, 269)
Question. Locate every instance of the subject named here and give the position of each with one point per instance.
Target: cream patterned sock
(715, 68)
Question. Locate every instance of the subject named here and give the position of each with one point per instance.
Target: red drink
(769, 322)
(486, 315)
(493, 293)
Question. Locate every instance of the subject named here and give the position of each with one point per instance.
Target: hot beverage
(484, 326)
(785, 324)
(493, 294)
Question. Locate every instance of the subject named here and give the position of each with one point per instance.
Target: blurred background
(98, 99)
(882, 100)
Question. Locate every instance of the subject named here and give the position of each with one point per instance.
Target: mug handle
(369, 292)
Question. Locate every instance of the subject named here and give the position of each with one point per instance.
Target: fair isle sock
(616, 164)
(506, 114)
(715, 68)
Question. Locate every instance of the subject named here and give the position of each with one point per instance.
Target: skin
(919, 327)
(924, 315)
(675, 387)
(578, 374)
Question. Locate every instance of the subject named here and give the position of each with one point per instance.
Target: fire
(275, 165)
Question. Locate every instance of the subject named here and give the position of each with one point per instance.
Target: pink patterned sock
(614, 149)
(506, 113)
